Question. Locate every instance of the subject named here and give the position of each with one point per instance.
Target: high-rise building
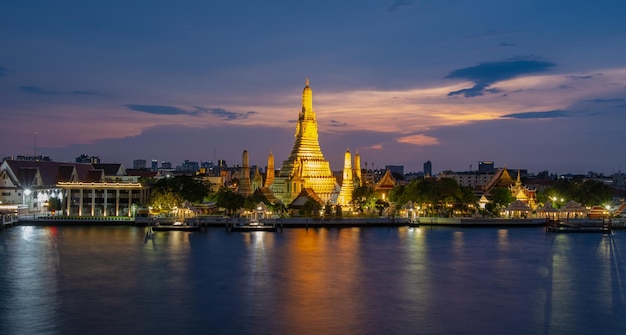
(398, 169)
(306, 167)
(155, 165)
(139, 164)
(189, 166)
(486, 166)
(428, 169)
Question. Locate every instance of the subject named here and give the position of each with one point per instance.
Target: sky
(534, 84)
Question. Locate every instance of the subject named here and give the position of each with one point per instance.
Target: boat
(176, 226)
(413, 223)
(254, 225)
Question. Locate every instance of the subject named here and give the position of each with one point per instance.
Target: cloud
(604, 101)
(37, 90)
(538, 115)
(399, 5)
(419, 140)
(374, 147)
(220, 112)
(506, 44)
(335, 123)
(580, 77)
(84, 92)
(41, 91)
(198, 110)
(485, 74)
(158, 109)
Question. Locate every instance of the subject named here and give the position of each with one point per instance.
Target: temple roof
(50, 172)
(505, 179)
(386, 182)
(111, 169)
(304, 195)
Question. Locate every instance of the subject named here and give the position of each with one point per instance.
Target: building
(306, 167)
(154, 165)
(80, 189)
(398, 169)
(473, 179)
(166, 166)
(189, 166)
(87, 159)
(139, 164)
(486, 166)
(428, 169)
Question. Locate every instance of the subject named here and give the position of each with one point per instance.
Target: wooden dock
(603, 227)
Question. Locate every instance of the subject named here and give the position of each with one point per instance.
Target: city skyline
(533, 85)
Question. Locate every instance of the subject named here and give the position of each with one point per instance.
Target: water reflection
(29, 293)
(343, 281)
(322, 285)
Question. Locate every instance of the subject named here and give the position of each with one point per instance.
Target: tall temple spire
(269, 174)
(357, 168)
(245, 187)
(306, 166)
(347, 185)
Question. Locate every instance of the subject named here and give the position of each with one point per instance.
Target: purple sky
(537, 85)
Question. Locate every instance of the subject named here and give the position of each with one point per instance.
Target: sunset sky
(537, 85)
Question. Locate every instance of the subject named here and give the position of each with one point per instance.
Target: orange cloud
(419, 140)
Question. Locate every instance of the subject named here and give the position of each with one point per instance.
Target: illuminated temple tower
(269, 174)
(357, 168)
(347, 185)
(306, 166)
(245, 187)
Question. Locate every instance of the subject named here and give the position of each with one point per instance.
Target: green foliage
(186, 187)
(435, 197)
(163, 201)
(311, 208)
(362, 197)
(500, 197)
(54, 204)
(230, 200)
(587, 193)
(251, 201)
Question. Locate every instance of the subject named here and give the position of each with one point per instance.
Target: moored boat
(254, 225)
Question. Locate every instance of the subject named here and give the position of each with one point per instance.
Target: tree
(229, 200)
(500, 197)
(311, 208)
(363, 196)
(164, 201)
(187, 187)
(586, 192)
(54, 204)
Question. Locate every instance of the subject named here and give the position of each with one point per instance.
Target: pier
(580, 226)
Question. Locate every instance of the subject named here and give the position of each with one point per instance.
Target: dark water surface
(118, 280)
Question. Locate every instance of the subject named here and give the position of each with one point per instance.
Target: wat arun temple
(306, 169)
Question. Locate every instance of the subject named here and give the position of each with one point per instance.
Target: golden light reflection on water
(322, 266)
(457, 242)
(503, 239)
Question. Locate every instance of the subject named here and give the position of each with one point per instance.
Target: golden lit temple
(347, 184)
(306, 166)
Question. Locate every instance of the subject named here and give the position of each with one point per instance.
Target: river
(121, 280)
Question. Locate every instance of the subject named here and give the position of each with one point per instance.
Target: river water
(119, 280)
